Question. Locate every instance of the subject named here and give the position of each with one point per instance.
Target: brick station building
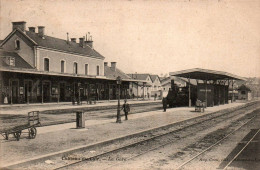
(36, 68)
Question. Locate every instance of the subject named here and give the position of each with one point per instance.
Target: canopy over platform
(205, 74)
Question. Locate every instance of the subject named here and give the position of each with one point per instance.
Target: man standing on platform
(126, 108)
(164, 102)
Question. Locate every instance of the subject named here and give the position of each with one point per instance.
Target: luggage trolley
(33, 122)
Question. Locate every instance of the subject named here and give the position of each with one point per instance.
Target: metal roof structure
(205, 74)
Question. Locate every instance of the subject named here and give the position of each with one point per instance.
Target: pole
(118, 120)
(228, 91)
(27, 97)
(132, 89)
(189, 93)
(143, 90)
(232, 99)
(224, 82)
(137, 90)
(42, 91)
(108, 92)
(206, 93)
(11, 91)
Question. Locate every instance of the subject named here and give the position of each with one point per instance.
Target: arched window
(46, 64)
(17, 44)
(62, 66)
(75, 68)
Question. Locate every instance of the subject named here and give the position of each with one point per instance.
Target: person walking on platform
(155, 96)
(164, 102)
(126, 108)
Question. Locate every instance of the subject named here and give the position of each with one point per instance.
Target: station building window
(46, 64)
(75, 68)
(62, 66)
(86, 69)
(17, 44)
(97, 70)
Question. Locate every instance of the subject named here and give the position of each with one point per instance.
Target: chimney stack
(19, 25)
(89, 43)
(73, 40)
(81, 42)
(41, 30)
(105, 63)
(113, 66)
(32, 29)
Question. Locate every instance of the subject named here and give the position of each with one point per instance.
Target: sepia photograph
(130, 84)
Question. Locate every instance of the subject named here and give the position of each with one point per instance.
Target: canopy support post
(206, 93)
(189, 92)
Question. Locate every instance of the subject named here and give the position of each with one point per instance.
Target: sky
(152, 36)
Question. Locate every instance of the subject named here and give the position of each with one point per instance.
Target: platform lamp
(118, 82)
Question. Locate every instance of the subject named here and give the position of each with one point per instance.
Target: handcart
(200, 106)
(33, 122)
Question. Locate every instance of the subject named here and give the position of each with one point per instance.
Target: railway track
(155, 140)
(213, 145)
(238, 154)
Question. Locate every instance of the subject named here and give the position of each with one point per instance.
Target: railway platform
(57, 139)
(25, 108)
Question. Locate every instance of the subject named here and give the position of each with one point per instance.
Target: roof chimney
(81, 42)
(32, 29)
(113, 66)
(105, 63)
(89, 41)
(19, 25)
(41, 30)
(73, 40)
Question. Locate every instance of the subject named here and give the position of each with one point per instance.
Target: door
(46, 91)
(62, 92)
(14, 91)
(27, 91)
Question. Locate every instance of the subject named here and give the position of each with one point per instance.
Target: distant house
(156, 85)
(141, 89)
(244, 93)
(179, 81)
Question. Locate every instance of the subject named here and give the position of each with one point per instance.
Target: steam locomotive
(179, 96)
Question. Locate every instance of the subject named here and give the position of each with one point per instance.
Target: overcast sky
(153, 36)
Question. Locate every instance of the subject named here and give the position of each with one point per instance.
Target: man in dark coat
(164, 102)
(126, 109)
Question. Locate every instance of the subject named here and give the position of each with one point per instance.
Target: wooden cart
(33, 122)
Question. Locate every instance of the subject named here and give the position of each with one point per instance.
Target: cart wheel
(6, 136)
(32, 132)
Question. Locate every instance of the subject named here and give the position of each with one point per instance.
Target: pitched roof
(19, 61)
(153, 77)
(110, 73)
(139, 76)
(56, 44)
(63, 45)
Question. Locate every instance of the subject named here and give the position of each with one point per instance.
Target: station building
(37, 68)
